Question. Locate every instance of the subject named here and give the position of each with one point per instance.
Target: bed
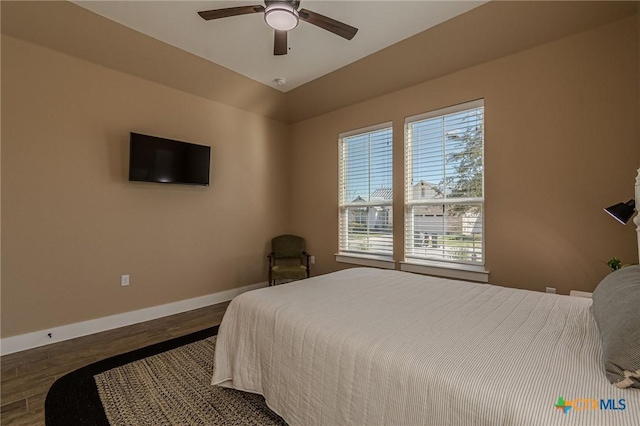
(378, 347)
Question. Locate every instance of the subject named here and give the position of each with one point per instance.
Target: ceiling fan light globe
(281, 16)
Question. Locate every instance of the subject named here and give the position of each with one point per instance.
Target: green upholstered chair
(288, 259)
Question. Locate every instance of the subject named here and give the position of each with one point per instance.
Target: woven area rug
(163, 384)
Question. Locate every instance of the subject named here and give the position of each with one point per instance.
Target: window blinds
(444, 185)
(366, 191)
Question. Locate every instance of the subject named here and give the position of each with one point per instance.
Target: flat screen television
(154, 159)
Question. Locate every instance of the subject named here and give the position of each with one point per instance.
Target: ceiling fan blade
(324, 22)
(230, 11)
(280, 43)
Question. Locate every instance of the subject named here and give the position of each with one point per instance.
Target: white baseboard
(58, 334)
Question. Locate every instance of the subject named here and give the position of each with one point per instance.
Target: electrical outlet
(312, 259)
(124, 280)
(551, 290)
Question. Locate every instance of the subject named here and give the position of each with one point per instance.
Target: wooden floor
(28, 375)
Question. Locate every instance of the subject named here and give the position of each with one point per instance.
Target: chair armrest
(270, 255)
(304, 253)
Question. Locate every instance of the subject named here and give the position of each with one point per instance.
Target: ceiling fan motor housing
(294, 3)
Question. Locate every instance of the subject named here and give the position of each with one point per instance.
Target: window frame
(363, 258)
(460, 269)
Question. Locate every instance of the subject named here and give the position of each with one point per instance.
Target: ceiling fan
(282, 16)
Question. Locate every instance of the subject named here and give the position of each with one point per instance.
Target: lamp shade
(281, 16)
(622, 212)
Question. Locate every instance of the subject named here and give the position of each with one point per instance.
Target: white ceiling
(245, 43)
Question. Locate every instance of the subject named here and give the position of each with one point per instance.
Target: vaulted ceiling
(484, 33)
(245, 43)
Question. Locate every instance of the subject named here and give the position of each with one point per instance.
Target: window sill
(366, 260)
(447, 270)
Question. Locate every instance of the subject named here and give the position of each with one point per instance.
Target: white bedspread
(374, 347)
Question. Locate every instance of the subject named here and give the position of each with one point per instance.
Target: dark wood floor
(28, 375)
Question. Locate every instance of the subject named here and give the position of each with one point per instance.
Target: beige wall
(69, 28)
(491, 31)
(561, 143)
(71, 221)
(562, 137)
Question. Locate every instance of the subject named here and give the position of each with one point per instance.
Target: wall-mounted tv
(154, 159)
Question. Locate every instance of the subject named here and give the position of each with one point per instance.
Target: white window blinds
(444, 181)
(366, 191)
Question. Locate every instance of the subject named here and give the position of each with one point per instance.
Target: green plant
(614, 264)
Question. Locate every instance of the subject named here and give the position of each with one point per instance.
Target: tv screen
(153, 159)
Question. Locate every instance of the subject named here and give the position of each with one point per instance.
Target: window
(444, 185)
(366, 192)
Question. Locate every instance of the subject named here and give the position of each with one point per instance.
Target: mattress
(377, 347)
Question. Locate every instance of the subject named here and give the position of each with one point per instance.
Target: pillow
(616, 309)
